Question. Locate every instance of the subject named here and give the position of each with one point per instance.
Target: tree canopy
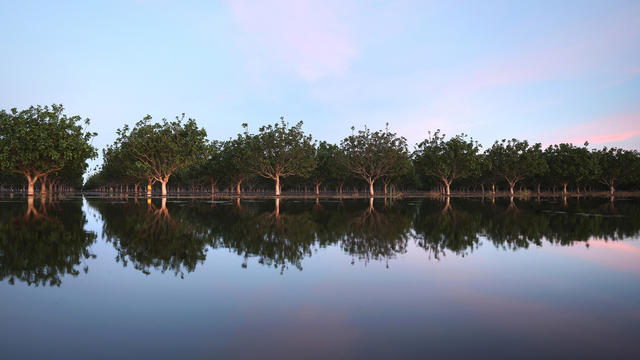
(280, 150)
(162, 148)
(39, 141)
(448, 160)
(515, 160)
(373, 155)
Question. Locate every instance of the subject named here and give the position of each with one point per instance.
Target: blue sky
(543, 71)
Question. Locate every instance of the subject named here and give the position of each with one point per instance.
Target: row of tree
(43, 144)
(154, 152)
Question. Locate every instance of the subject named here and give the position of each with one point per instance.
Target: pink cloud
(303, 36)
(604, 130)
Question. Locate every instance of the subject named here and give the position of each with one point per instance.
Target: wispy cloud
(605, 130)
(572, 53)
(307, 37)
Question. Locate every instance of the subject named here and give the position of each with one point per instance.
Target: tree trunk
(340, 188)
(447, 185)
(31, 181)
(371, 182)
(612, 189)
(511, 186)
(385, 189)
(43, 185)
(564, 189)
(238, 187)
(277, 185)
(164, 182)
(135, 188)
(213, 188)
(482, 187)
(538, 188)
(318, 188)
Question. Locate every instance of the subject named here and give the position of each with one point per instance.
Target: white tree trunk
(164, 187)
(31, 181)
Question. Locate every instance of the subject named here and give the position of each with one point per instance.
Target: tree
(39, 141)
(278, 151)
(569, 163)
(448, 160)
(166, 147)
(120, 163)
(373, 155)
(213, 166)
(514, 160)
(236, 159)
(326, 158)
(616, 165)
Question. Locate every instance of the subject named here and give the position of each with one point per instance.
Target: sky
(545, 71)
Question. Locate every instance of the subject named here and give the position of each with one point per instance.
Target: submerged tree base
(365, 195)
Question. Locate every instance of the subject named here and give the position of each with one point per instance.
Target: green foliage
(236, 156)
(374, 155)
(568, 163)
(278, 151)
(515, 160)
(39, 141)
(616, 165)
(327, 158)
(214, 167)
(160, 149)
(447, 160)
(167, 146)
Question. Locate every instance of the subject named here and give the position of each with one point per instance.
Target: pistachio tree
(569, 163)
(280, 150)
(167, 146)
(515, 160)
(236, 159)
(372, 155)
(616, 165)
(447, 160)
(326, 157)
(42, 140)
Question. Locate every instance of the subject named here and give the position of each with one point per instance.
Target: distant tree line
(41, 144)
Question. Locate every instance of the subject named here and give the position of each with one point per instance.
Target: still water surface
(95, 278)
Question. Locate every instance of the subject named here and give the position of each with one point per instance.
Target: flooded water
(94, 278)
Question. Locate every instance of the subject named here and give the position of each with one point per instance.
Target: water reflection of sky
(548, 301)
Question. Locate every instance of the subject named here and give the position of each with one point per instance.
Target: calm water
(112, 278)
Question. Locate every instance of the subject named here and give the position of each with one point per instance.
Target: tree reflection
(148, 235)
(43, 243)
(440, 226)
(514, 225)
(279, 236)
(282, 233)
(375, 234)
